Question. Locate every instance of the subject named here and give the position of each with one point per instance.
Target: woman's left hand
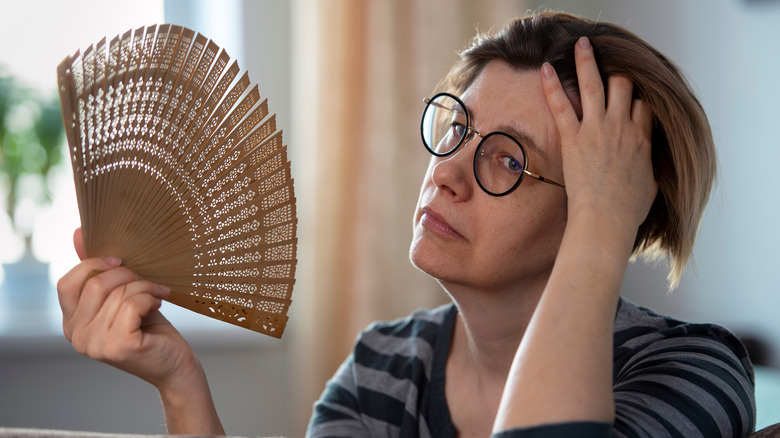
(606, 157)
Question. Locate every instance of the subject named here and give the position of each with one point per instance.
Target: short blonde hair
(683, 154)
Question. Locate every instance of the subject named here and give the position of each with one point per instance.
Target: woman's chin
(432, 265)
(422, 261)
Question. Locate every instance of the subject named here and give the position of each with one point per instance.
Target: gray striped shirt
(670, 379)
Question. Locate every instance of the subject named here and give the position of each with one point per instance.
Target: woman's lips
(437, 224)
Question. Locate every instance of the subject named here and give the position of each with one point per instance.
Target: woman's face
(462, 235)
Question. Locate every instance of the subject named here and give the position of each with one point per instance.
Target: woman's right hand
(112, 315)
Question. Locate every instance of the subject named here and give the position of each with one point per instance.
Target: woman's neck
(484, 342)
(490, 326)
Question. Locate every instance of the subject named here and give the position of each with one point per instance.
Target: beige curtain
(361, 71)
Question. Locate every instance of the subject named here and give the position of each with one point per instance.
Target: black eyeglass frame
(466, 137)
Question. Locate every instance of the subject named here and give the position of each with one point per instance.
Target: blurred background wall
(346, 79)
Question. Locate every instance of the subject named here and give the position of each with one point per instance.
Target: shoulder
(641, 332)
(379, 386)
(423, 324)
(393, 345)
(690, 378)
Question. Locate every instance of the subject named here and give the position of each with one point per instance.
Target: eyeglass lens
(499, 163)
(499, 160)
(444, 125)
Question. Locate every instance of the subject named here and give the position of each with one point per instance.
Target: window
(28, 303)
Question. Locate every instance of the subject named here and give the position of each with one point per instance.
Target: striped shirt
(671, 378)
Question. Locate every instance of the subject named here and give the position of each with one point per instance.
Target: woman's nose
(453, 173)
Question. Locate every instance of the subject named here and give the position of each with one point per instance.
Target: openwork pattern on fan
(181, 172)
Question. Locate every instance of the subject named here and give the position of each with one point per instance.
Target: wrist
(187, 402)
(608, 228)
(186, 375)
(599, 243)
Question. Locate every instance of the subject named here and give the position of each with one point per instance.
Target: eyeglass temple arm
(436, 104)
(543, 179)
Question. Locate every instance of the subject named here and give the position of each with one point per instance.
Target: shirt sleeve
(336, 413)
(559, 430)
(696, 381)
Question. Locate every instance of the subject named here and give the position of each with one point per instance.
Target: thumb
(78, 243)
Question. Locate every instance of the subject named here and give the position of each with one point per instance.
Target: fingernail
(112, 261)
(584, 42)
(547, 70)
(164, 290)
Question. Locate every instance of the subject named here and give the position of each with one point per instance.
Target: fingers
(589, 79)
(69, 287)
(620, 100)
(97, 288)
(106, 292)
(592, 93)
(121, 308)
(642, 115)
(133, 312)
(87, 298)
(560, 106)
(595, 100)
(78, 243)
(115, 333)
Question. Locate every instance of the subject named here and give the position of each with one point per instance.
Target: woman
(550, 171)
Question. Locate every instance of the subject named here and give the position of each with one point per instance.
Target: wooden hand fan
(181, 172)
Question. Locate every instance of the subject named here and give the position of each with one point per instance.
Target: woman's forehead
(503, 98)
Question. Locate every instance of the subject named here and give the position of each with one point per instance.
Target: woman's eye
(457, 129)
(512, 164)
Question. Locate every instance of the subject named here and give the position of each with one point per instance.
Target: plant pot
(25, 292)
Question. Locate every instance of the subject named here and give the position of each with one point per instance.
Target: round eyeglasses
(500, 161)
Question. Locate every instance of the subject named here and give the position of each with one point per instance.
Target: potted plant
(31, 139)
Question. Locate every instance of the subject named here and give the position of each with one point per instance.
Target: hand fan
(181, 172)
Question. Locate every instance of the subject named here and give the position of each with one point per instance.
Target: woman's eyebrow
(524, 138)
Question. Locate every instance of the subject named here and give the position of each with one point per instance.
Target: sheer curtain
(361, 69)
